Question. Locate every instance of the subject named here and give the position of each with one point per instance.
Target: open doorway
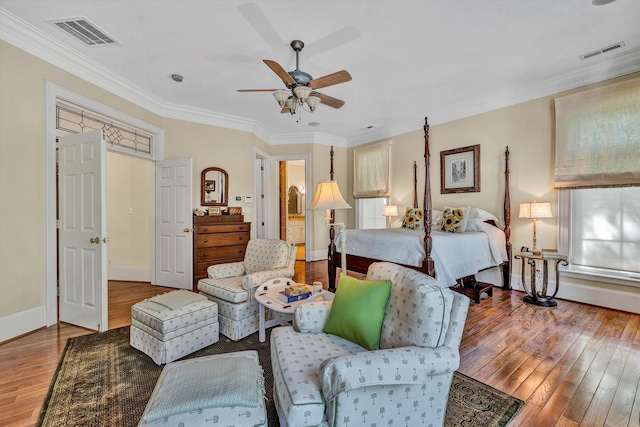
(293, 204)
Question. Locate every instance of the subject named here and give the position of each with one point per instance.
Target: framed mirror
(214, 183)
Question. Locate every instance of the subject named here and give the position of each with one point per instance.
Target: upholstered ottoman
(173, 325)
(223, 389)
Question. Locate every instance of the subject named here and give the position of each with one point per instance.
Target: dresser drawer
(223, 252)
(221, 228)
(223, 239)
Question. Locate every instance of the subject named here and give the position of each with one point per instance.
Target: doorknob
(187, 230)
(95, 240)
(105, 240)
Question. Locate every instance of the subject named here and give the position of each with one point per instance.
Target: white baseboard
(318, 255)
(129, 274)
(602, 297)
(16, 324)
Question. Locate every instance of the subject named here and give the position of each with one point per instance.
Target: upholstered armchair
(232, 285)
(325, 379)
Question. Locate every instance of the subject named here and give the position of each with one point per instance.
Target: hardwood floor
(573, 365)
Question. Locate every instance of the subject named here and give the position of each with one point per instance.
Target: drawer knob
(206, 229)
(205, 240)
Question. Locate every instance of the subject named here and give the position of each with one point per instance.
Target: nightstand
(540, 296)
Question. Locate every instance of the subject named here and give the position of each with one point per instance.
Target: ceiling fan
(301, 86)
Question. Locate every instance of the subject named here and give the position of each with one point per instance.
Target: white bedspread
(455, 254)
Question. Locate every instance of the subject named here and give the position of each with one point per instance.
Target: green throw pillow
(358, 310)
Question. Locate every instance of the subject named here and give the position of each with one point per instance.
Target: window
(118, 136)
(371, 186)
(604, 235)
(369, 212)
(598, 171)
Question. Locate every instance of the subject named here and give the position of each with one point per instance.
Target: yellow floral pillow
(454, 220)
(413, 219)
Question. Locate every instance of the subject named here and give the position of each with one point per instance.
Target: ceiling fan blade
(254, 15)
(330, 79)
(281, 72)
(329, 100)
(257, 90)
(333, 40)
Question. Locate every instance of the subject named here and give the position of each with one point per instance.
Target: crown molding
(30, 39)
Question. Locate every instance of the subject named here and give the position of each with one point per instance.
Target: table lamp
(535, 210)
(328, 197)
(389, 211)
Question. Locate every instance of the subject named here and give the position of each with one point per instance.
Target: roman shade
(371, 171)
(598, 137)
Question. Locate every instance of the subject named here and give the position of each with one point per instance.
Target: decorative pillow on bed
(477, 214)
(413, 219)
(454, 220)
(357, 311)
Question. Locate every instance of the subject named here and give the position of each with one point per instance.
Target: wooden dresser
(217, 239)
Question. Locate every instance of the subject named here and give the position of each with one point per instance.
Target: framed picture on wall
(460, 170)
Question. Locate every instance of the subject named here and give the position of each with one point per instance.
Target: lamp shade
(328, 197)
(302, 92)
(535, 210)
(390, 211)
(281, 96)
(312, 102)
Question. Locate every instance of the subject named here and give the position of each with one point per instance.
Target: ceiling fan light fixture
(291, 103)
(313, 101)
(302, 92)
(281, 96)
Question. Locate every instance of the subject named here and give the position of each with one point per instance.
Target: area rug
(102, 381)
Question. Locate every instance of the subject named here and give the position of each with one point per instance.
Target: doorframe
(54, 93)
(275, 217)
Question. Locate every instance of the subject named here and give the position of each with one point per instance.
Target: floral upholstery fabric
(227, 289)
(171, 334)
(268, 254)
(295, 359)
(405, 383)
(421, 295)
(232, 285)
(237, 320)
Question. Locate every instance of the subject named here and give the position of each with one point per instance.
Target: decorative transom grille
(121, 137)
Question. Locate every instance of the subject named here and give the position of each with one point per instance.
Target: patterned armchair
(232, 285)
(322, 379)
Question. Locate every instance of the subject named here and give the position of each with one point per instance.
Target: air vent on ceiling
(85, 31)
(601, 51)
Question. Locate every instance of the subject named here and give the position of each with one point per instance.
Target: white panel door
(174, 224)
(82, 241)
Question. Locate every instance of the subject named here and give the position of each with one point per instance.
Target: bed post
(415, 185)
(506, 268)
(428, 242)
(331, 250)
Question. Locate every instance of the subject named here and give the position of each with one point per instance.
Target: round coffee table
(267, 296)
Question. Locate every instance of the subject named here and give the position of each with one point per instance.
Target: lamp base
(543, 303)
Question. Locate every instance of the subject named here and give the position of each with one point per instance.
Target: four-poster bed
(488, 243)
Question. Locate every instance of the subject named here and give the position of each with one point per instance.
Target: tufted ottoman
(173, 325)
(225, 389)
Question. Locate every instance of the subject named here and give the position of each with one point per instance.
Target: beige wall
(129, 198)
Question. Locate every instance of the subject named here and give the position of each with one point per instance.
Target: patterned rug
(102, 381)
